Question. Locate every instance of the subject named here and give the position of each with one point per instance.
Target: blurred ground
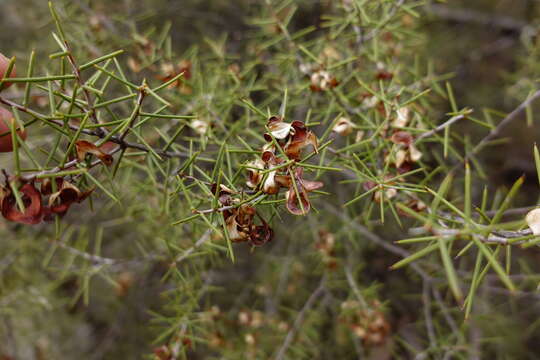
(485, 44)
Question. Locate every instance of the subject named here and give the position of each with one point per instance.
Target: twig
(472, 16)
(376, 239)
(427, 314)
(96, 259)
(444, 125)
(354, 286)
(77, 73)
(115, 139)
(500, 126)
(300, 319)
(136, 112)
(495, 237)
(68, 165)
(186, 253)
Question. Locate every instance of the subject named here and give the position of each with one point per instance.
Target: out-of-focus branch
(472, 16)
(300, 319)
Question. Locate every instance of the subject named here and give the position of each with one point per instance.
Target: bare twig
(472, 16)
(427, 314)
(300, 319)
(354, 286)
(444, 125)
(496, 131)
(186, 253)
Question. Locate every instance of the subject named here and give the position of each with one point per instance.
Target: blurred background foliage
(489, 49)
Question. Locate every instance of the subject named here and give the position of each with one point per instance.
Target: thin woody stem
(77, 73)
(115, 139)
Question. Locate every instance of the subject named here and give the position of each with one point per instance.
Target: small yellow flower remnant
(383, 192)
(330, 53)
(254, 319)
(250, 339)
(283, 326)
(167, 68)
(343, 126)
(402, 117)
(533, 220)
(95, 22)
(306, 68)
(124, 282)
(369, 101)
(322, 80)
(134, 65)
(200, 126)
(359, 136)
(388, 194)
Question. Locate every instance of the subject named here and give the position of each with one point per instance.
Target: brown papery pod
(85, 147)
(33, 211)
(4, 65)
(6, 119)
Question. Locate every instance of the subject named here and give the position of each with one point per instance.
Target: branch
(300, 319)
(115, 139)
(472, 16)
(496, 131)
(507, 120)
(444, 125)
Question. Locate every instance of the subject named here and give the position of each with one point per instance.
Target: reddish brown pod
(6, 118)
(4, 64)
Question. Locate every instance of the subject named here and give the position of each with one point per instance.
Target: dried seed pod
(31, 198)
(533, 220)
(298, 203)
(6, 118)
(255, 177)
(322, 80)
(343, 126)
(163, 353)
(84, 147)
(4, 64)
(66, 195)
(402, 138)
(414, 154)
(199, 126)
(402, 117)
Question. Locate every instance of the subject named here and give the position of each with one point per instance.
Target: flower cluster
(406, 153)
(402, 157)
(61, 195)
(241, 220)
(278, 166)
(369, 324)
(169, 71)
(321, 79)
(252, 327)
(326, 248)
